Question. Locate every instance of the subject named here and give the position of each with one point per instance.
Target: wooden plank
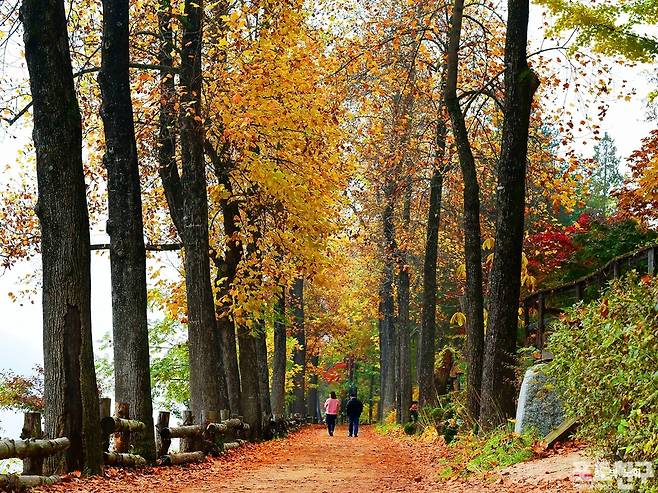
(560, 432)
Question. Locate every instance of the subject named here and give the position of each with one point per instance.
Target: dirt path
(315, 462)
(309, 461)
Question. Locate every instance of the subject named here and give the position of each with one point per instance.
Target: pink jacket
(331, 406)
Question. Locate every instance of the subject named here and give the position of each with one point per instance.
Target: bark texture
(404, 326)
(472, 235)
(167, 167)
(132, 377)
(251, 405)
(227, 267)
(279, 359)
(263, 372)
(498, 380)
(299, 353)
(312, 396)
(387, 310)
(207, 384)
(70, 391)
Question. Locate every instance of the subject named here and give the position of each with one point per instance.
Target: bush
(606, 368)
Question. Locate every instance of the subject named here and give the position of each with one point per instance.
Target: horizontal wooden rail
(538, 299)
(650, 252)
(22, 449)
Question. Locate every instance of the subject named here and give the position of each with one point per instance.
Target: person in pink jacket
(331, 407)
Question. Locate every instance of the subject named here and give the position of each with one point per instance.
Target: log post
(32, 429)
(651, 260)
(187, 444)
(580, 291)
(105, 407)
(224, 414)
(162, 444)
(122, 438)
(616, 270)
(541, 323)
(105, 411)
(208, 434)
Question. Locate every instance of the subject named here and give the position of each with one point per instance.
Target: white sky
(20, 326)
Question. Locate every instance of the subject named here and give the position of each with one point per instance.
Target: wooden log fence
(218, 433)
(121, 427)
(32, 448)
(535, 333)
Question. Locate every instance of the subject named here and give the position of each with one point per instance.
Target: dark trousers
(353, 425)
(331, 423)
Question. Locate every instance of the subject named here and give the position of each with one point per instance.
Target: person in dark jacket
(353, 409)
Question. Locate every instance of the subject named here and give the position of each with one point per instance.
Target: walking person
(353, 409)
(331, 407)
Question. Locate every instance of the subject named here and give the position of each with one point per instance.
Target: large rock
(539, 407)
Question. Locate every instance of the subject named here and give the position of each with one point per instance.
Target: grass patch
(471, 454)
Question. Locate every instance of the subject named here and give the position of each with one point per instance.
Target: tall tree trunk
(251, 405)
(279, 358)
(132, 377)
(404, 327)
(299, 353)
(472, 236)
(263, 371)
(70, 391)
(426, 391)
(387, 305)
(498, 381)
(312, 397)
(167, 166)
(227, 267)
(207, 384)
(425, 365)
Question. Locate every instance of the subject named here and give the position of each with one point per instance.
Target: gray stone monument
(539, 407)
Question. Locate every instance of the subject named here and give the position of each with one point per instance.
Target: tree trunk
(70, 390)
(132, 377)
(299, 353)
(227, 267)
(263, 371)
(472, 236)
(167, 167)
(498, 381)
(250, 381)
(404, 327)
(207, 384)
(387, 315)
(279, 359)
(426, 352)
(312, 397)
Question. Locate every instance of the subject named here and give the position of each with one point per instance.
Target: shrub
(606, 368)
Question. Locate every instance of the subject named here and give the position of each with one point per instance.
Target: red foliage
(638, 197)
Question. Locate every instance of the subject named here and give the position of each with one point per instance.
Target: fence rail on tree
(569, 293)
